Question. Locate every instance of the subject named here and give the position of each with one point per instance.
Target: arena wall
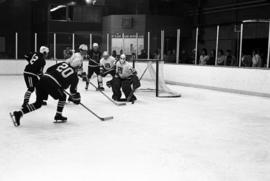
(237, 80)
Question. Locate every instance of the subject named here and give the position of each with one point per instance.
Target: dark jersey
(94, 58)
(36, 63)
(64, 75)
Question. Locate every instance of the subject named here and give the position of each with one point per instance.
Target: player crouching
(126, 76)
(54, 82)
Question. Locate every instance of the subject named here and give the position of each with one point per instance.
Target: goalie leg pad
(136, 82)
(126, 87)
(116, 88)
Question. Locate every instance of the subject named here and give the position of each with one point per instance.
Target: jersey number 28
(65, 70)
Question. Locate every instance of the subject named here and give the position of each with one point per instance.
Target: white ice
(203, 136)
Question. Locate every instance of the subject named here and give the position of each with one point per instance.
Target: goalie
(125, 79)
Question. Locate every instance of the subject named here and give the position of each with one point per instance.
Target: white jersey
(108, 63)
(124, 70)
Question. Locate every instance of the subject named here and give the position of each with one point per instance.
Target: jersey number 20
(65, 70)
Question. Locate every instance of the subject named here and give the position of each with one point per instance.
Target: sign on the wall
(128, 44)
(127, 22)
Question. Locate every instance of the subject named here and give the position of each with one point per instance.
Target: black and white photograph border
(146, 90)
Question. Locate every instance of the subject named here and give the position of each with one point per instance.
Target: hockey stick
(92, 112)
(133, 91)
(116, 103)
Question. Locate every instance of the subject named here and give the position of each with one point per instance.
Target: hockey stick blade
(105, 95)
(121, 104)
(92, 112)
(106, 118)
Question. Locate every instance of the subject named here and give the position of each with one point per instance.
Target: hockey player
(79, 57)
(107, 66)
(33, 71)
(54, 82)
(125, 76)
(93, 66)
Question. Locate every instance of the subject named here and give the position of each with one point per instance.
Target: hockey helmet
(83, 47)
(105, 54)
(95, 45)
(44, 49)
(76, 63)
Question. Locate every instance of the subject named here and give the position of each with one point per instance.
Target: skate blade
(59, 122)
(13, 120)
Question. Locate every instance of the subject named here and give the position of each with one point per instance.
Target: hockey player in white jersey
(125, 78)
(107, 66)
(79, 57)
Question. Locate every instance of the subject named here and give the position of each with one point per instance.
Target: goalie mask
(122, 59)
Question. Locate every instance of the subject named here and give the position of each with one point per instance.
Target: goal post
(152, 71)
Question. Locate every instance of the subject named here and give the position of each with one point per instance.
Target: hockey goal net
(152, 72)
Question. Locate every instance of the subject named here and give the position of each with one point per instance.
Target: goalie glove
(134, 72)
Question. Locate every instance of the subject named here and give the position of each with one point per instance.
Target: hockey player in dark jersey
(33, 71)
(125, 79)
(93, 66)
(54, 82)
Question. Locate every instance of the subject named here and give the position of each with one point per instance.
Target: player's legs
(89, 75)
(30, 82)
(112, 73)
(90, 72)
(136, 82)
(58, 94)
(116, 88)
(126, 87)
(99, 79)
(60, 107)
(42, 94)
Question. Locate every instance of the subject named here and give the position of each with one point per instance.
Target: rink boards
(238, 80)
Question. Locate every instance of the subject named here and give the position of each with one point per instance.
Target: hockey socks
(27, 96)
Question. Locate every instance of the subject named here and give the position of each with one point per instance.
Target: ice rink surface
(203, 136)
